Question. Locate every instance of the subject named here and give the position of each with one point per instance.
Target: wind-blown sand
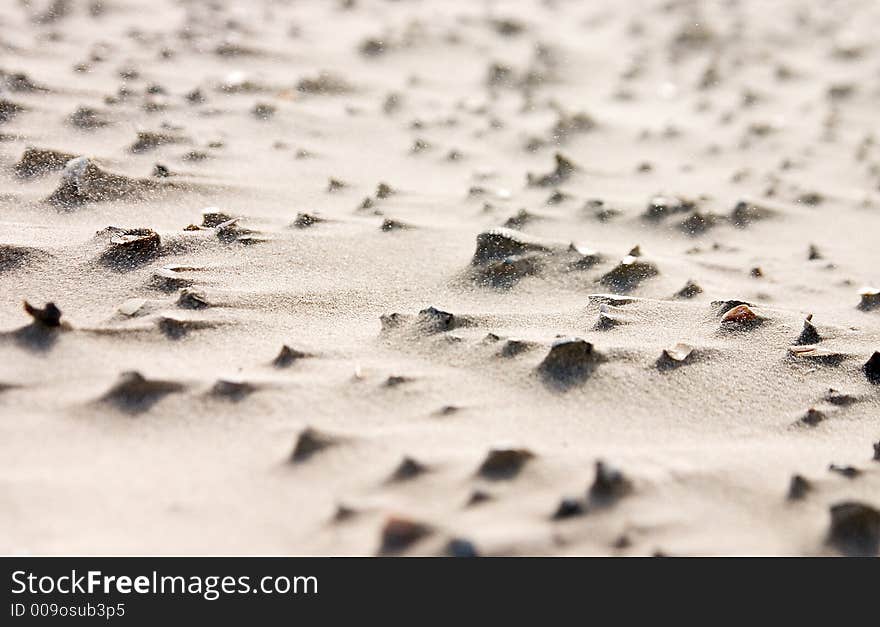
(375, 436)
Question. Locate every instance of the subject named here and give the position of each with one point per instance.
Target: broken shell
(287, 356)
(132, 306)
(608, 486)
(629, 274)
(48, 316)
(817, 355)
(504, 463)
(809, 335)
(398, 534)
(570, 359)
(309, 442)
(675, 356)
(855, 528)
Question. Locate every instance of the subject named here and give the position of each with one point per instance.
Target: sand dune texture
(439, 277)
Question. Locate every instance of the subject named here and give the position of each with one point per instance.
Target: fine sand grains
(439, 277)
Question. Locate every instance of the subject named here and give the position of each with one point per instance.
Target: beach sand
(295, 173)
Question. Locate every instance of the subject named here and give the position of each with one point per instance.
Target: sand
(665, 116)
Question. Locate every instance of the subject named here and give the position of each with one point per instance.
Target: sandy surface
(460, 108)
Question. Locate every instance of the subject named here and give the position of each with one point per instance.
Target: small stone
(434, 320)
(660, 207)
(458, 547)
(690, 290)
(568, 508)
(745, 213)
(813, 253)
(287, 357)
(798, 488)
(855, 528)
(872, 368)
(166, 280)
(408, 469)
(813, 417)
(698, 223)
(263, 110)
(87, 118)
(512, 348)
(383, 191)
(37, 161)
(131, 247)
(561, 173)
(606, 320)
(850, 472)
(629, 274)
(47, 316)
(310, 442)
(135, 393)
(501, 243)
(232, 390)
(570, 359)
(148, 140)
(213, 217)
(877, 451)
(504, 463)
(838, 398)
(398, 534)
(305, 220)
(477, 497)
(870, 298)
(335, 185)
(608, 486)
(191, 299)
(393, 225)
